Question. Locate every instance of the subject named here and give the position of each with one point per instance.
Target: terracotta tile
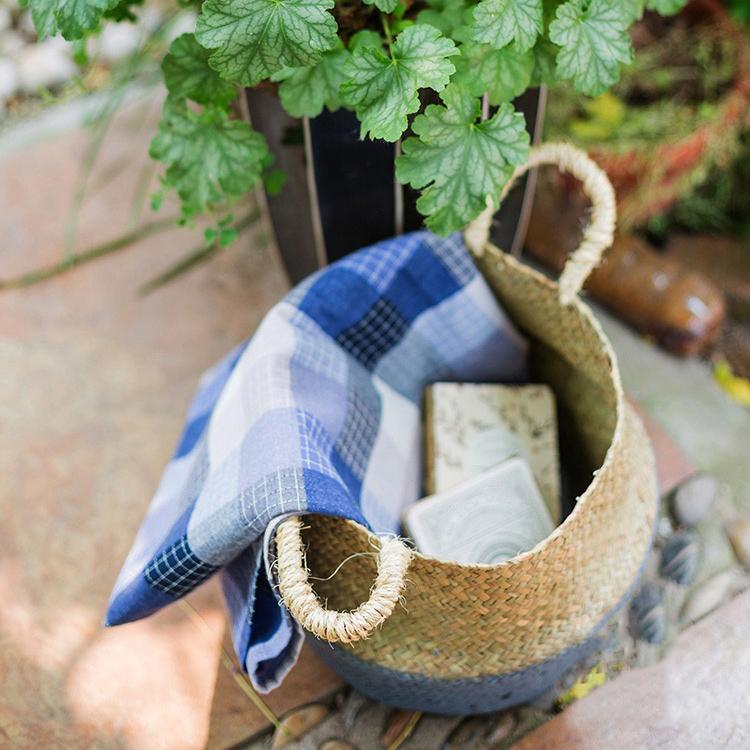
(695, 698)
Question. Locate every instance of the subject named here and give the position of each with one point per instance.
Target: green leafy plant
(382, 59)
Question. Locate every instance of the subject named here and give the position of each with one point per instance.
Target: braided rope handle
(306, 608)
(597, 236)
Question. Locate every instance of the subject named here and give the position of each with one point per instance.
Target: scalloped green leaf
(305, 91)
(387, 6)
(500, 22)
(594, 41)
(383, 88)
(459, 160)
(253, 38)
(211, 159)
(188, 75)
(72, 18)
(666, 7)
(446, 15)
(503, 74)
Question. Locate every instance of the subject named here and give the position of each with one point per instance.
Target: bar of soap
(470, 427)
(487, 519)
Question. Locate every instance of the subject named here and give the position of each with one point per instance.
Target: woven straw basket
(420, 633)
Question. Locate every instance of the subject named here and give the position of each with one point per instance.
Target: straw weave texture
(460, 621)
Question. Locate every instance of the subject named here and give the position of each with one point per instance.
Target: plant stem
(199, 254)
(387, 30)
(73, 261)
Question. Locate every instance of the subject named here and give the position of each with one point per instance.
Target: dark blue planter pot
(341, 193)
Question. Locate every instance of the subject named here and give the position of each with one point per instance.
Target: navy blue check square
(178, 569)
(375, 334)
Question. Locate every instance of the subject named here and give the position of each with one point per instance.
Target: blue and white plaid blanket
(317, 413)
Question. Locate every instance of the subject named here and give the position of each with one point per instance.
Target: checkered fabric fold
(317, 413)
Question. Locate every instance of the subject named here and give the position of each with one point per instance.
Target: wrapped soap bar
(470, 427)
(486, 519)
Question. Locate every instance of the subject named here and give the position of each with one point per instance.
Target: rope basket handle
(306, 608)
(597, 236)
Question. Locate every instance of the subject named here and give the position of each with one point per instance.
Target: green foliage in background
(380, 59)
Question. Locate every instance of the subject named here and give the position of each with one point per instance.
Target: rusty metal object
(658, 296)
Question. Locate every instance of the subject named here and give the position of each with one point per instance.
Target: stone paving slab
(94, 383)
(697, 697)
(682, 397)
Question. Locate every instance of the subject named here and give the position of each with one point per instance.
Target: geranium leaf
(459, 159)
(383, 88)
(666, 7)
(211, 159)
(365, 38)
(305, 91)
(501, 73)
(500, 22)
(254, 38)
(446, 15)
(594, 42)
(387, 6)
(187, 74)
(72, 18)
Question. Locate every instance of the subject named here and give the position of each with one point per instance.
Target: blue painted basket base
(472, 695)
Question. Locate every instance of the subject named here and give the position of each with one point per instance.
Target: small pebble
(466, 734)
(693, 500)
(298, 723)
(6, 18)
(8, 78)
(716, 549)
(664, 527)
(398, 723)
(45, 65)
(12, 43)
(501, 729)
(739, 536)
(26, 24)
(117, 41)
(679, 558)
(150, 18)
(354, 704)
(336, 744)
(709, 595)
(648, 615)
(183, 23)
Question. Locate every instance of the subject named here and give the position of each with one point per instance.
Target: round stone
(8, 78)
(679, 558)
(45, 65)
(648, 615)
(693, 500)
(709, 595)
(117, 41)
(739, 536)
(296, 724)
(336, 744)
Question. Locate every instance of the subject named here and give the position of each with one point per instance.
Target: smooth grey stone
(679, 558)
(739, 536)
(664, 528)
(693, 500)
(648, 615)
(709, 595)
(336, 744)
(481, 732)
(716, 549)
